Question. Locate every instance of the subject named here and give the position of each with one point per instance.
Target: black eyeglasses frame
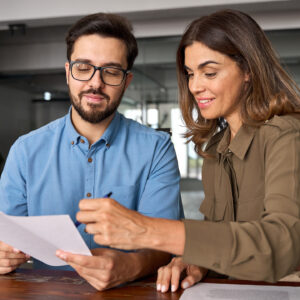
(125, 72)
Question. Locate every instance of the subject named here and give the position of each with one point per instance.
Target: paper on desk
(41, 236)
(212, 291)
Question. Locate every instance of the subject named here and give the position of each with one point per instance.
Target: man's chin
(95, 117)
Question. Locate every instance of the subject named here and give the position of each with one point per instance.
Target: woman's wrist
(164, 235)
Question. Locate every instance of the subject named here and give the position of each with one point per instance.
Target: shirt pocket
(213, 210)
(125, 195)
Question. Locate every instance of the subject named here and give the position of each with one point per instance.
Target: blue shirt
(50, 169)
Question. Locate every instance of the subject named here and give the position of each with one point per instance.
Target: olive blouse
(252, 203)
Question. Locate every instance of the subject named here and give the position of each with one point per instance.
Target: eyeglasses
(83, 71)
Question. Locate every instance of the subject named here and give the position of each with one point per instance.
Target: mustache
(95, 92)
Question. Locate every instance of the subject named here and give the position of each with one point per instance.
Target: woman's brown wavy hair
(271, 91)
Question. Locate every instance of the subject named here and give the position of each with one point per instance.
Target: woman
(226, 70)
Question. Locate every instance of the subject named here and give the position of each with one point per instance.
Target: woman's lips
(204, 102)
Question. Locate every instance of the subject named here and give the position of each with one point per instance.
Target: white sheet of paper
(41, 236)
(211, 291)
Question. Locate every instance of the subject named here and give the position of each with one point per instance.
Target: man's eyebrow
(108, 64)
(202, 65)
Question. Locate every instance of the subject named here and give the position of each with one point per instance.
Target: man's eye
(113, 72)
(83, 67)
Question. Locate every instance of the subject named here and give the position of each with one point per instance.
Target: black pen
(77, 223)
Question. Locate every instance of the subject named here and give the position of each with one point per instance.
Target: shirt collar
(111, 130)
(107, 136)
(73, 135)
(241, 142)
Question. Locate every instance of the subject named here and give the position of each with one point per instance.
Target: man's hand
(105, 269)
(10, 258)
(169, 275)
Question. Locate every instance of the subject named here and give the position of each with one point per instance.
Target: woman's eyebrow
(202, 65)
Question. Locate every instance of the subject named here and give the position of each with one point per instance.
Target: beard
(95, 115)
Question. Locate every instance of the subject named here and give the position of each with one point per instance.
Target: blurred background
(33, 89)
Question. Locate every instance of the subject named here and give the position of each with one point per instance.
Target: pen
(77, 223)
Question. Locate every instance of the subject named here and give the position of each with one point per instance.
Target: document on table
(41, 236)
(211, 291)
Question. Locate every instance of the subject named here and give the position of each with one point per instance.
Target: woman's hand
(119, 227)
(112, 224)
(170, 275)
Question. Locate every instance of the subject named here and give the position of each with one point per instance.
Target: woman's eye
(189, 75)
(210, 74)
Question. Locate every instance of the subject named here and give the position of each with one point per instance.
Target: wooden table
(48, 285)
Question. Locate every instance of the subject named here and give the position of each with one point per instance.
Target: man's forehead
(97, 48)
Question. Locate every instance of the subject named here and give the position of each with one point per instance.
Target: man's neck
(92, 132)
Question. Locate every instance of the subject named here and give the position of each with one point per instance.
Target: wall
(15, 110)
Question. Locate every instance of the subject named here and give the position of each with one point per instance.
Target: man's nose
(96, 81)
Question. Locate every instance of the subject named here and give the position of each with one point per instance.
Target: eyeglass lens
(109, 75)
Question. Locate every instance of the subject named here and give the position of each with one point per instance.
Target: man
(91, 152)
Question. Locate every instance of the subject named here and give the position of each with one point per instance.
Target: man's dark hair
(106, 25)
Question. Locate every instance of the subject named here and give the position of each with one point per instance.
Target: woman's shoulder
(279, 126)
(282, 123)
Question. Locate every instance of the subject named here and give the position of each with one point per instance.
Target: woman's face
(216, 83)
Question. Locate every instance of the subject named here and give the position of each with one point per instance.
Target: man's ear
(67, 68)
(129, 77)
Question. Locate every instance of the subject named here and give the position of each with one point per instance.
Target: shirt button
(82, 141)
(90, 160)
(72, 143)
(88, 194)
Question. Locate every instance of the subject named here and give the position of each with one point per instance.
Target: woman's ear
(247, 77)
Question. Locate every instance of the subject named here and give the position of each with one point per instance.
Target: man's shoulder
(136, 128)
(43, 132)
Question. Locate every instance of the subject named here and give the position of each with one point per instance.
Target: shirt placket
(228, 166)
(90, 174)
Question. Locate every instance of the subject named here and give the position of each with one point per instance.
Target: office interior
(33, 88)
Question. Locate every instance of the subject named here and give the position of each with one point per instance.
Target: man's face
(93, 100)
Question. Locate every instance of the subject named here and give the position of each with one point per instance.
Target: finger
(165, 280)
(96, 203)
(159, 278)
(100, 279)
(195, 274)
(4, 254)
(8, 248)
(82, 260)
(175, 278)
(5, 270)
(12, 262)
(95, 282)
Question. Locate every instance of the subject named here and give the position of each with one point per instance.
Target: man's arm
(12, 201)
(108, 268)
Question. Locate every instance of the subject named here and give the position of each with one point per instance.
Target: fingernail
(158, 287)
(173, 288)
(185, 285)
(61, 255)
(16, 250)
(163, 288)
